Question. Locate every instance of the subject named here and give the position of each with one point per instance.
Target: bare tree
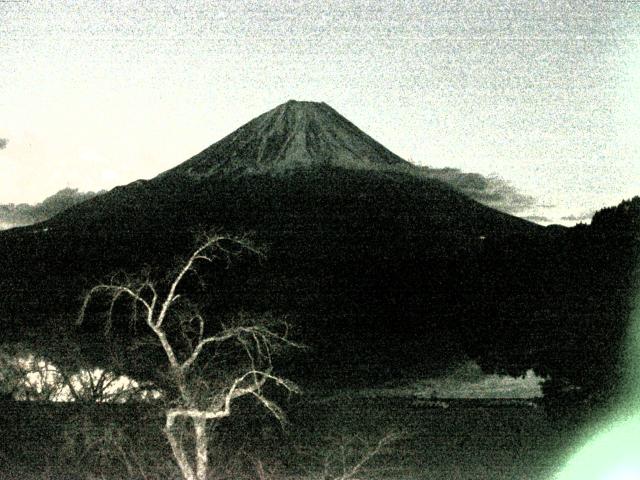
(205, 386)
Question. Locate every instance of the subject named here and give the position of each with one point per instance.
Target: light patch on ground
(489, 386)
(43, 380)
(6, 225)
(613, 453)
(466, 382)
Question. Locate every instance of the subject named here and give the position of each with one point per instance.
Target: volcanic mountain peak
(291, 135)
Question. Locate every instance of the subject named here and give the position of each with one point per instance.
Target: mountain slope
(369, 260)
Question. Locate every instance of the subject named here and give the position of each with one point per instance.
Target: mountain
(290, 136)
(288, 146)
(373, 261)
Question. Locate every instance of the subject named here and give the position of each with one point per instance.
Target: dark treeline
(381, 273)
(561, 304)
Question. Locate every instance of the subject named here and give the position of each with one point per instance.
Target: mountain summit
(292, 134)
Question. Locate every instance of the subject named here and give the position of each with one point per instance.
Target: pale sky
(545, 94)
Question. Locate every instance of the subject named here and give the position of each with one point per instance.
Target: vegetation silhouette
(382, 270)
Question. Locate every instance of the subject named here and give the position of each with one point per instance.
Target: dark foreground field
(466, 440)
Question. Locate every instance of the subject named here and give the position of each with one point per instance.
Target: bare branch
(198, 254)
(115, 291)
(351, 471)
(204, 342)
(166, 346)
(368, 455)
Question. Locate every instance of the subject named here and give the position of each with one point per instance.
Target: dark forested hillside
(562, 304)
(376, 263)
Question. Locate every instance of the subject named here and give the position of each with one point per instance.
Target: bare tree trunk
(178, 452)
(202, 454)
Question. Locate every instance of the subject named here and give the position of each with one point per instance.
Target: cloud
(20, 215)
(3, 143)
(538, 219)
(579, 217)
(489, 190)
